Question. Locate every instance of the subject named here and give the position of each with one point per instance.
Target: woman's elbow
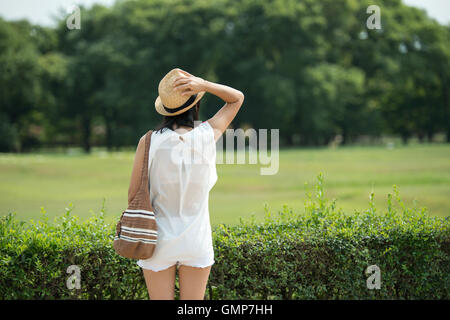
(241, 96)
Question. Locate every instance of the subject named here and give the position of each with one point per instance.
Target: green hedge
(319, 253)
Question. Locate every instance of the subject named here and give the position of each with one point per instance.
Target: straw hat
(170, 102)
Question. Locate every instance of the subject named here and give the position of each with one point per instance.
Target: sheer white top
(182, 171)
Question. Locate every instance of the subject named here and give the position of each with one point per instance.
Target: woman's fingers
(182, 87)
(185, 84)
(180, 80)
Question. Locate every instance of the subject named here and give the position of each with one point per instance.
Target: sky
(42, 11)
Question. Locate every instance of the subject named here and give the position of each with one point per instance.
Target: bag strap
(142, 198)
(144, 173)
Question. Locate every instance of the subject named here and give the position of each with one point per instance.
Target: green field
(53, 181)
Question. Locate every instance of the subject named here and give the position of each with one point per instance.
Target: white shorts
(162, 265)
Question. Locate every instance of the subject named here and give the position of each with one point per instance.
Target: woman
(182, 171)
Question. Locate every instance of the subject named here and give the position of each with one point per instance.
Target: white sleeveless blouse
(182, 171)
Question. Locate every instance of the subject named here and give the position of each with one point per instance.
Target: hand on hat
(188, 84)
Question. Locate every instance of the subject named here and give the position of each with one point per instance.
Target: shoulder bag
(137, 232)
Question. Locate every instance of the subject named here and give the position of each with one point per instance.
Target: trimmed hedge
(320, 253)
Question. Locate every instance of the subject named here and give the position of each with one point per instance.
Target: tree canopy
(310, 68)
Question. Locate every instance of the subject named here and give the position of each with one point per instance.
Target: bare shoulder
(141, 141)
(140, 147)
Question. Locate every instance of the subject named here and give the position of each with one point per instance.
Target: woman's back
(182, 171)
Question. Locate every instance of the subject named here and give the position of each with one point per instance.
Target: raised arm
(233, 101)
(233, 98)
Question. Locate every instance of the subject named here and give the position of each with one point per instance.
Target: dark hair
(186, 118)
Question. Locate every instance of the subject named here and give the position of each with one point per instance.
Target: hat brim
(160, 108)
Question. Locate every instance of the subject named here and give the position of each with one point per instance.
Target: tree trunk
(420, 135)
(86, 133)
(345, 136)
(290, 139)
(430, 136)
(405, 138)
(109, 140)
(448, 133)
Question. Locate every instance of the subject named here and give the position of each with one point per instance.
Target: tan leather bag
(136, 231)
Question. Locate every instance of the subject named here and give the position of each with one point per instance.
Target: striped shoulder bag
(136, 231)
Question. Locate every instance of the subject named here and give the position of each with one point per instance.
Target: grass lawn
(53, 181)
